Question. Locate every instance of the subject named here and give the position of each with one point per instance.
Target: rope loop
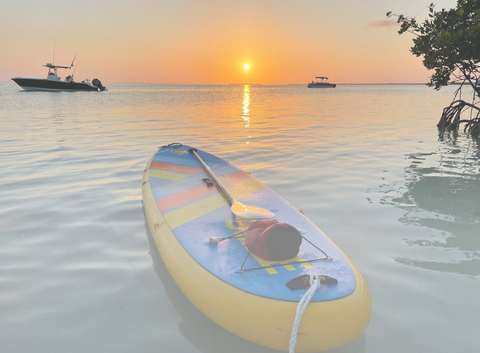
(302, 305)
(314, 278)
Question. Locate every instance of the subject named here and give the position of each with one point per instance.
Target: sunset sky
(210, 41)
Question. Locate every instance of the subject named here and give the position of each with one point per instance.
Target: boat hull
(263, 319)
(34, 84)
(323, 85)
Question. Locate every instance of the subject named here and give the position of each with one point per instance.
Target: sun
(246, 67)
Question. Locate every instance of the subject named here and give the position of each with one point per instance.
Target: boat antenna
(73, 60)
(75, 67)
(54, 42)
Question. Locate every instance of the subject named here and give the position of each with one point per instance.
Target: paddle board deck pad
(189, 218)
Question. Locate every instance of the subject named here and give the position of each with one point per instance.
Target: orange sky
(209, 41)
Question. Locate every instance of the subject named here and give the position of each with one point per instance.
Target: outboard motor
(97, 83)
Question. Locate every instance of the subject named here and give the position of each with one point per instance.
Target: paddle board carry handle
(209, 171)
(208, 181)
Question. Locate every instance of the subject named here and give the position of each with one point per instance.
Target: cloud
(383, 24)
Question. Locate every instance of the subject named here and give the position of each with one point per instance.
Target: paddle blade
(250, 212)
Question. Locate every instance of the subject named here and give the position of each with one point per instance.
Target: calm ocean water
(366, 163)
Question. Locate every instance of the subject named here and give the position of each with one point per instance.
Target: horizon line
(258, 84)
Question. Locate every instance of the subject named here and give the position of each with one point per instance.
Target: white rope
(302, 305)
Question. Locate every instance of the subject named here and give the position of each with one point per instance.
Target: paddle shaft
(209, 171)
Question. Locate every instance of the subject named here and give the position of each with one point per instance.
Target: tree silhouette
(449, 41)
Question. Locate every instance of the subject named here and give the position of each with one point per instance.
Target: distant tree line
(449, 41)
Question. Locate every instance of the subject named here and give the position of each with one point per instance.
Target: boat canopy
(322, 78)
(49, 65)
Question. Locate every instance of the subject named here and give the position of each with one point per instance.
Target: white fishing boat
(53, 82)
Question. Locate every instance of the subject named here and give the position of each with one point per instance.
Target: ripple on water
(79, 272)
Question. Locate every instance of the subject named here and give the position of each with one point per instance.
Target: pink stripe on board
(176, 168)
(198, 192)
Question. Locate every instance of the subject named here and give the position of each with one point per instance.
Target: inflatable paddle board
(246, 290)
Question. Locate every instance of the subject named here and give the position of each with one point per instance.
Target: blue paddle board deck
(196, 211)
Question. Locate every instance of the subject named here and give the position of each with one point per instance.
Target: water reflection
(195, 326)
(246, 110)
(203, 333)
(441, 194)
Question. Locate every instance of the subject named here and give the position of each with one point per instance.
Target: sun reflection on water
(246, 108)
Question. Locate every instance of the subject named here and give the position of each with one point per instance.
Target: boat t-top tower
(52, 69)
